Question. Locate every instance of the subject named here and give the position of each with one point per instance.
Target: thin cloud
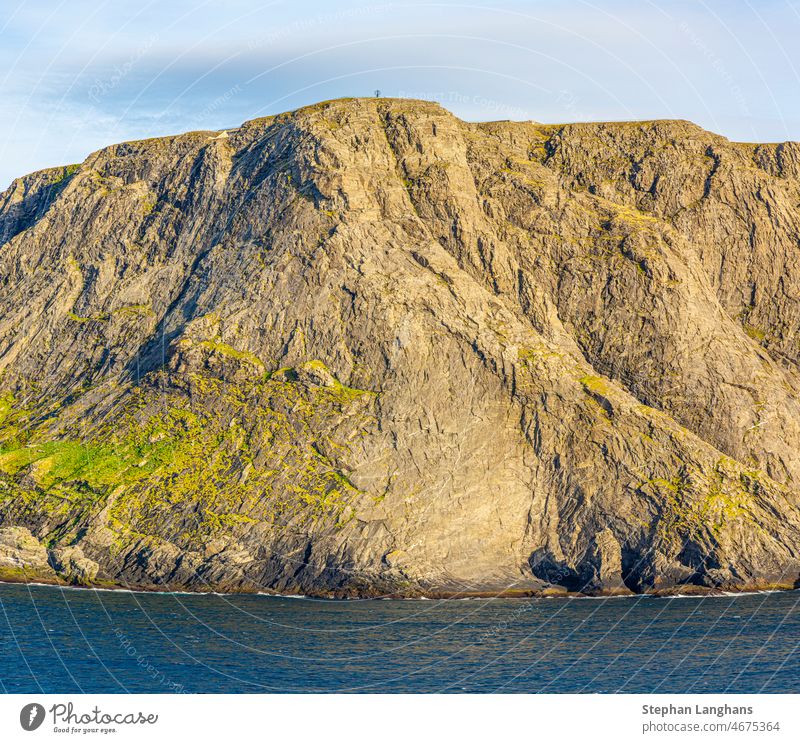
(78, 78)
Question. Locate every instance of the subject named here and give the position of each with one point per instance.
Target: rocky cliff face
(366, 348)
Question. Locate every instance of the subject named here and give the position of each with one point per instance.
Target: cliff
(367, 348)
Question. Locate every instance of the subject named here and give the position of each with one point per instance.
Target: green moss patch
(188, 465)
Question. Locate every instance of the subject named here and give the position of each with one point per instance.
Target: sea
(66, 640)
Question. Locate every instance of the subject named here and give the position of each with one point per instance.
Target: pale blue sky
(77, 75)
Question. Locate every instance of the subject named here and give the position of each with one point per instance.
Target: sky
(77, 75)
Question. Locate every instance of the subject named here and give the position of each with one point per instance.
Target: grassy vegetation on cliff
(187, 464)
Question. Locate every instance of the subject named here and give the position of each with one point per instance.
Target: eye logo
(32, 716)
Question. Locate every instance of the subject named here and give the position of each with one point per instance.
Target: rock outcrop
(367, 348)
(23, 557)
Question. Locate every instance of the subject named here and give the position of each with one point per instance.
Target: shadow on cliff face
(39, 191)
(202, 214)
(642, 572)
(592, 574)
(601, 571)
(547, 567)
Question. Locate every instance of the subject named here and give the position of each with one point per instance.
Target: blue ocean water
(56, 640)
